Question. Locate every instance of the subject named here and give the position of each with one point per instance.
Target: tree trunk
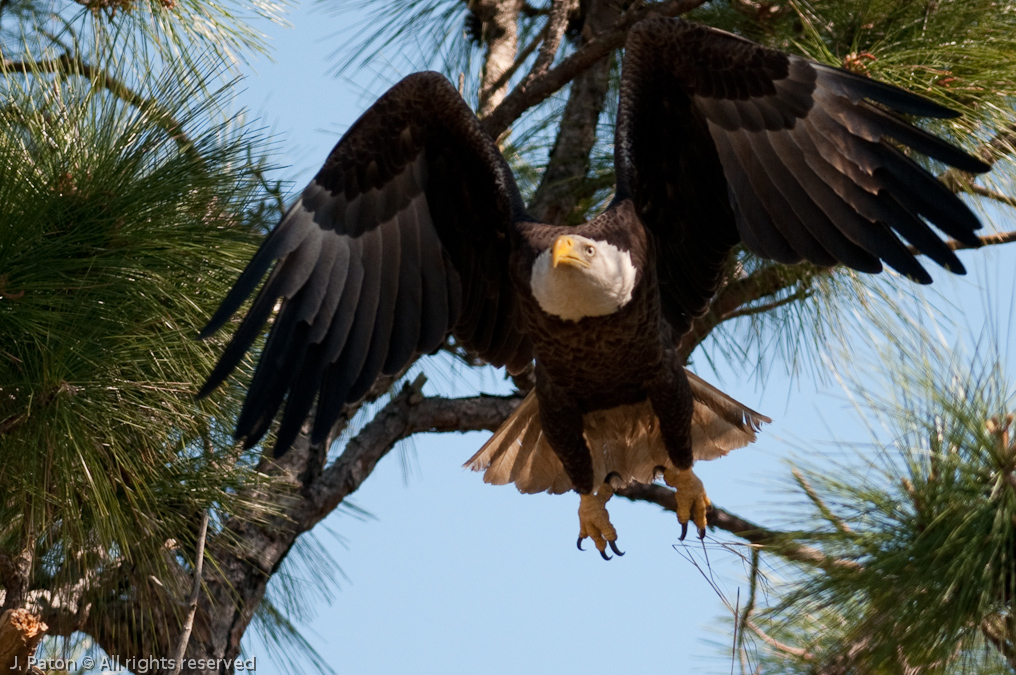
(20, 633)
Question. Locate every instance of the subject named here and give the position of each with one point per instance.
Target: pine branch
(1001, 145)
(66, 65)
(523, 98)
(734, 298)
(820, 504)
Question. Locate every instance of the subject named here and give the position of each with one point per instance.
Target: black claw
(579, 544)
(603, 554)
(613, 547)
(684, 531)
(702, 533)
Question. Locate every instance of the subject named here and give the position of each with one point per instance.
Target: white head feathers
(579, 277)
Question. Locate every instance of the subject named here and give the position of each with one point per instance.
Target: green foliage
(118, 238)
(179, 31)
(920, 542)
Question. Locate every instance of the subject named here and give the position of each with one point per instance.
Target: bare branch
(188, 624)
(542, 87)
(992, 194)
(767, 307)
(557, 22)
(777, 645)
(780, 543)
(408, 413)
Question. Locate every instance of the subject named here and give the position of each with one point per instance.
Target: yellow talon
(594, 522)
(692, 502)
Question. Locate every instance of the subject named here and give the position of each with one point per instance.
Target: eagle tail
(625, 441)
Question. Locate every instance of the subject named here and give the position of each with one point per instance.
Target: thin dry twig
(817, 500)
(767, 307)
(188, 624)
(778, 542)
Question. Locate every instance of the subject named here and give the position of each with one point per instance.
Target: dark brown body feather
(626, 347)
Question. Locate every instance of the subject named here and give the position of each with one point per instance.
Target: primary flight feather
(414, 228)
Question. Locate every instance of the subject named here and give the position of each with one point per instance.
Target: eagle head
(578, 277)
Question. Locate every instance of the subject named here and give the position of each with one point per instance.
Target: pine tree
(130, 201)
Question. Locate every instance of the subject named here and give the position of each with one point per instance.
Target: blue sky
(454, 576)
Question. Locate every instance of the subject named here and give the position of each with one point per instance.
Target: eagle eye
(590, 251)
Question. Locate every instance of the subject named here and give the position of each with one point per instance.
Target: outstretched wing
(721, 140)
(401, 237)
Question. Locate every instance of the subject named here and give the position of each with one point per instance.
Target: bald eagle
(414, 228)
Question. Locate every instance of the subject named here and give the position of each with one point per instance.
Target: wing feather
(402, 236)
(793, 158)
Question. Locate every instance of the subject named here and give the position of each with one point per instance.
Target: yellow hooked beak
(566, 251)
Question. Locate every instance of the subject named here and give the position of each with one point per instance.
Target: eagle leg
(692, 501)
(594, 522)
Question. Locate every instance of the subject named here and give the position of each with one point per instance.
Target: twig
(826, 512)
(777, 542)
(761, 283)
(799, 652)
(749, 605)
(986, 240)
(992, 194)
(188, 624)
(767, 307)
